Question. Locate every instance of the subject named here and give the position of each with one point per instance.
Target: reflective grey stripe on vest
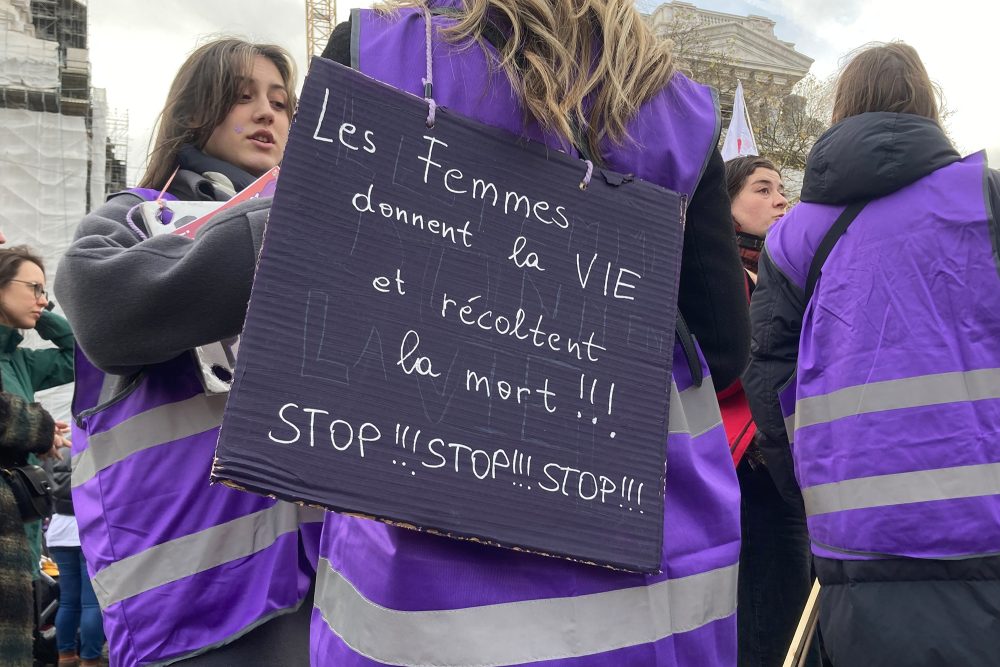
(790, 427)
(153, 427)
(911, 392)
(903, 488)
(311, 514)
(695, 410)
(518, 632)
(194, 553)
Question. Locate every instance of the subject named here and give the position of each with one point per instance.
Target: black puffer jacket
(62, 471)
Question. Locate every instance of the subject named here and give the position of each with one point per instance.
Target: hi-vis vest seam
(911, 392)
(154, 427)
(701, 412)
(920, 486)
(172, 561)
(524, 632)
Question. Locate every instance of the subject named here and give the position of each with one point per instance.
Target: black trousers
(775, 571)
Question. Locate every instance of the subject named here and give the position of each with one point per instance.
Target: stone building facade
(719, 49)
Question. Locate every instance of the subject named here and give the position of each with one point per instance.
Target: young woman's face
(253, 135)
(19, 306)
(760, 202)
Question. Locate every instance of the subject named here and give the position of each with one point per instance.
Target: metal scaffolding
(45, 67)
(321, 17)
(117, 150)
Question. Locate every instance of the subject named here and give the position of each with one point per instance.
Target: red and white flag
(739, 137)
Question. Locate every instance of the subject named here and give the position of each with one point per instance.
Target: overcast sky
(136, 47)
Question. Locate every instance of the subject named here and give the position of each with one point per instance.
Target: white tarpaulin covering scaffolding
(25, 62)
(43, 196)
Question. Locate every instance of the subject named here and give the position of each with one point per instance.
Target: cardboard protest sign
(447, 332)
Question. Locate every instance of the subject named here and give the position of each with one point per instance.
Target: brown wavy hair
(739, 169)
(885, 77)
(204, 90)
(11, 260)
(561, 52)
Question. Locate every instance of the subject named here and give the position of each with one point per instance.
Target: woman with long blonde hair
(588, 78)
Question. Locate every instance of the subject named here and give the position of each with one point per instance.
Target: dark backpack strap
(686, 340)
(830, 240)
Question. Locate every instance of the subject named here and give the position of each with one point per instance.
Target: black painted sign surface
(446, 331)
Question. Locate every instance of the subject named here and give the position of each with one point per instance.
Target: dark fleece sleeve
(712, 291)
(776, 318)
(133, 303)
(25, 428)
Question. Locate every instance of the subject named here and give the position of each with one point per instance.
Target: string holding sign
(586, 178)
(428, 81)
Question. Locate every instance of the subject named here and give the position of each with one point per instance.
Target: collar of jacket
(749, 247)
(872, 155)
(9, 339)
(191, 159)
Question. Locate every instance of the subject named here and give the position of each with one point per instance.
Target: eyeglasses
(37, 287)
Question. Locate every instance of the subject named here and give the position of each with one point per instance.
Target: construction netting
(26, 63)
(43, 193)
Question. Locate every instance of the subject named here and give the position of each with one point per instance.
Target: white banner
(739, 137)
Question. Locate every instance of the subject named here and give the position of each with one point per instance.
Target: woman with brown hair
(27, 431)
(588, 78)
(23, 301)
(875, 355)
(758, 201)
(775, 564)
(184, 571)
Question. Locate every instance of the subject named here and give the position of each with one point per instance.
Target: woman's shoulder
(678, 130)
(792, 241)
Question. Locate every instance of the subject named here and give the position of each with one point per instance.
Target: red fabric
(736, 419)
(736, 416)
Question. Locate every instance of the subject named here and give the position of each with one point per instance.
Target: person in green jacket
(24, 371)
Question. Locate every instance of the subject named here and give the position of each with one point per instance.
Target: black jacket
(61, 473)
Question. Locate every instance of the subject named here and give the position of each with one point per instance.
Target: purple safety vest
(894, 410)
(387, 595)
(179, 567)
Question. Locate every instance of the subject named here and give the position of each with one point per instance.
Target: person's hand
(60, 440)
